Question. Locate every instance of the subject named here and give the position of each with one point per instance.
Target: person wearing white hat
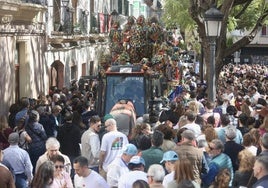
(136, 167)
(119, 165)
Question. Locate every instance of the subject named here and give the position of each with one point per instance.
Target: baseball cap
(169, 156)
(130, 149)
(108, 116)
(13, 138)
(20, 115)
(137, 160)
(188, 134)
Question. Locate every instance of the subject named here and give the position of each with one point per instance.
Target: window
(56, 15)
(74, 72)
(84, 69)
(91, 68)
(122, 87)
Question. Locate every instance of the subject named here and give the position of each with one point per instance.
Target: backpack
(23, 145)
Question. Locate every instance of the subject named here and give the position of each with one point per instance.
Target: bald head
(110, 124)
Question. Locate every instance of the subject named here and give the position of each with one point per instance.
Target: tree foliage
(176, 14)
(244, 15)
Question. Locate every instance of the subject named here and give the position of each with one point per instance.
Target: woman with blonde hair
(248, 144)
(182, 121)
(183, 171)
(243, 175)
(255, 133)
(210, 134)
(222, 180)
(192, 105)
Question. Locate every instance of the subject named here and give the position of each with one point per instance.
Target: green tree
(245, 15)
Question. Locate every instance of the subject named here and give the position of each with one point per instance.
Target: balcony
(61, 40)
(19, 17)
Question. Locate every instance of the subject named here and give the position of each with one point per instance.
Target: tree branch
(194, 12)
(243, 9)
(240, 2)
(248, 38)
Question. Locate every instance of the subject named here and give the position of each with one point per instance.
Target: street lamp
(213, 19)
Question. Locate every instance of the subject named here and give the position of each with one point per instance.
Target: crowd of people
(59, 141)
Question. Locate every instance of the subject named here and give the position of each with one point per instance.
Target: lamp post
(213, 19)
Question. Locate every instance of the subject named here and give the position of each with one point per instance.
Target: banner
(102, 22)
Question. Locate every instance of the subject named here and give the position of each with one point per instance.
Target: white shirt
(44, 157)
(112, 144)
(90, 143)
(252, 149)
(126, 180)
(255, 97)
(93, 180)
(216, 116)
(168, 178)
(115, 170)
(194, 127)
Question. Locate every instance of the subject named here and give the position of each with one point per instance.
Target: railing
(40, 2)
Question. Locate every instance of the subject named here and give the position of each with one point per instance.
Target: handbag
(4, 145)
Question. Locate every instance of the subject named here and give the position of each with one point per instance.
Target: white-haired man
(156, 174)
(53, 146)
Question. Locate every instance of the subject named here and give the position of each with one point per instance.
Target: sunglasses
(59, 166)
(107, 125)
(211, 148)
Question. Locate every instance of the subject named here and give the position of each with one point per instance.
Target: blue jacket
(261, 183)
(216, 164)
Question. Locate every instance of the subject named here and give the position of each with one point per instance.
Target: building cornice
(22, 18)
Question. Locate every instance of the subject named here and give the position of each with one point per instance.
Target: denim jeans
(21, 181)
